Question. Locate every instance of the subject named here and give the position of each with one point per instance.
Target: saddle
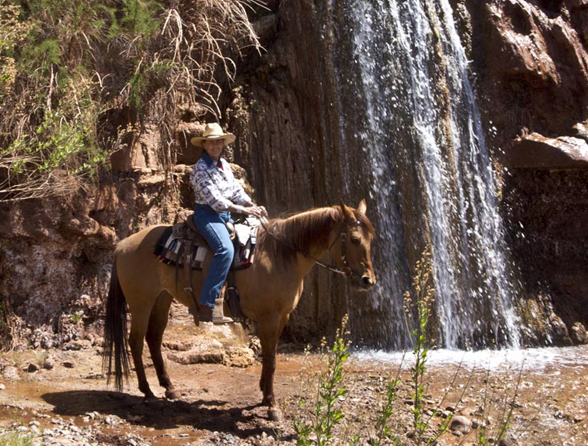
(182, 246)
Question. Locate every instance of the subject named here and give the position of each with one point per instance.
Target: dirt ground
(60, 397)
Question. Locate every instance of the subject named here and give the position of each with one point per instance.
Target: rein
(342, 237)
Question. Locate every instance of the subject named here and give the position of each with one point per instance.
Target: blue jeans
(211, 225)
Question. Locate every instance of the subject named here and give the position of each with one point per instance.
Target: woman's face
(214, 147)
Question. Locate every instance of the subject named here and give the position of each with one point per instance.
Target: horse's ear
(362, 207)
(347, 213)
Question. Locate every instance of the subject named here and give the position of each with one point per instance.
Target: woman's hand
(253, 209)
(256, 211)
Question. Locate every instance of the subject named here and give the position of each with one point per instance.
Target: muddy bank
(63, 397)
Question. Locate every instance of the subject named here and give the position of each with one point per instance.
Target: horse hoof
(274, 414)
(172, 394)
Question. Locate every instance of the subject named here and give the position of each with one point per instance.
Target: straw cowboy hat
(212, 131)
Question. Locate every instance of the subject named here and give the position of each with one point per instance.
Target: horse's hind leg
(139, 323)
(157, 324)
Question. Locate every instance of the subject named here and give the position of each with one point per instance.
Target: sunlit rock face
(531, 62)
(411, 105)
(439, 113)
(531, 59)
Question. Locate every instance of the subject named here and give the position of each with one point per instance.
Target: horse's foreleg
(157, 324)
(269, 332)
(139, 323)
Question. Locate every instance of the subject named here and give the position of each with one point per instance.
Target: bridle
(346, 271)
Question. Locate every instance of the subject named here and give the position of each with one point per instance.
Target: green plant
(41, 358)
(419, 303)
(504, 417)
(12, 438)
(68, 66)
(383, 429)
(77, 317)
(326, 413)
(17, 360)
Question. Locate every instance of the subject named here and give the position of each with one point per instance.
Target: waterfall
(432, 180)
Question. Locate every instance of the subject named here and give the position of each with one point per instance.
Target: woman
(217, 193)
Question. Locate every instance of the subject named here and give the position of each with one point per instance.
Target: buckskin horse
(270, 289)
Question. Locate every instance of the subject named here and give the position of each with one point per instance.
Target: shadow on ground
(244, 422)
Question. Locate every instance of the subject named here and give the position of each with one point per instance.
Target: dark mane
(299, 232)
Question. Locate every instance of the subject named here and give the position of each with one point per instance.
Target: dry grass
(66, 82)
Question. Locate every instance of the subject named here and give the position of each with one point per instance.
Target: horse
(287, 249)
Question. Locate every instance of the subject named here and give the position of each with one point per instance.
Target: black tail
(115, 333)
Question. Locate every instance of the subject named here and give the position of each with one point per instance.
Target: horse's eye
(355, 240)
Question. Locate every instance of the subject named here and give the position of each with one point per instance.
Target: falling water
(432, 177)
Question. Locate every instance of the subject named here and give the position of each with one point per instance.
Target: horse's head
(352, 252)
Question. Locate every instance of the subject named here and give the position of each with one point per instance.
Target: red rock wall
(531, 63)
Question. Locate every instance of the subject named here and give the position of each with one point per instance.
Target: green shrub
(16, 439)
(326, 413)
(65, 65)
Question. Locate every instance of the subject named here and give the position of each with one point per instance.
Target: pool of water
(529, 359)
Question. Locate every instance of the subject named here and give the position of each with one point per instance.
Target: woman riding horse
(270, 289)
(217, 193)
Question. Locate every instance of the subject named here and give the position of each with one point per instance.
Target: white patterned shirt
(216, 186)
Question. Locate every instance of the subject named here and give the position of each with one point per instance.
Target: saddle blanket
(169, 248)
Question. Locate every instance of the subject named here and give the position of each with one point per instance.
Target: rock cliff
(530, 64)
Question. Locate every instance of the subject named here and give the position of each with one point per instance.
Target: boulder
(535, 151)
(460, 424)
(579, 333)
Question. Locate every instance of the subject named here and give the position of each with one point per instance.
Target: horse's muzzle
(367, 282)
(363, 282)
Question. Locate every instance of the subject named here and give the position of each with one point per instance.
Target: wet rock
(559, 329)
(48, 364)
(68, 364)
(579, 333)
(460, 424)
(32, 368)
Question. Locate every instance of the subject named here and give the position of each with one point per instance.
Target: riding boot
(214, 315)
(218, 315)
